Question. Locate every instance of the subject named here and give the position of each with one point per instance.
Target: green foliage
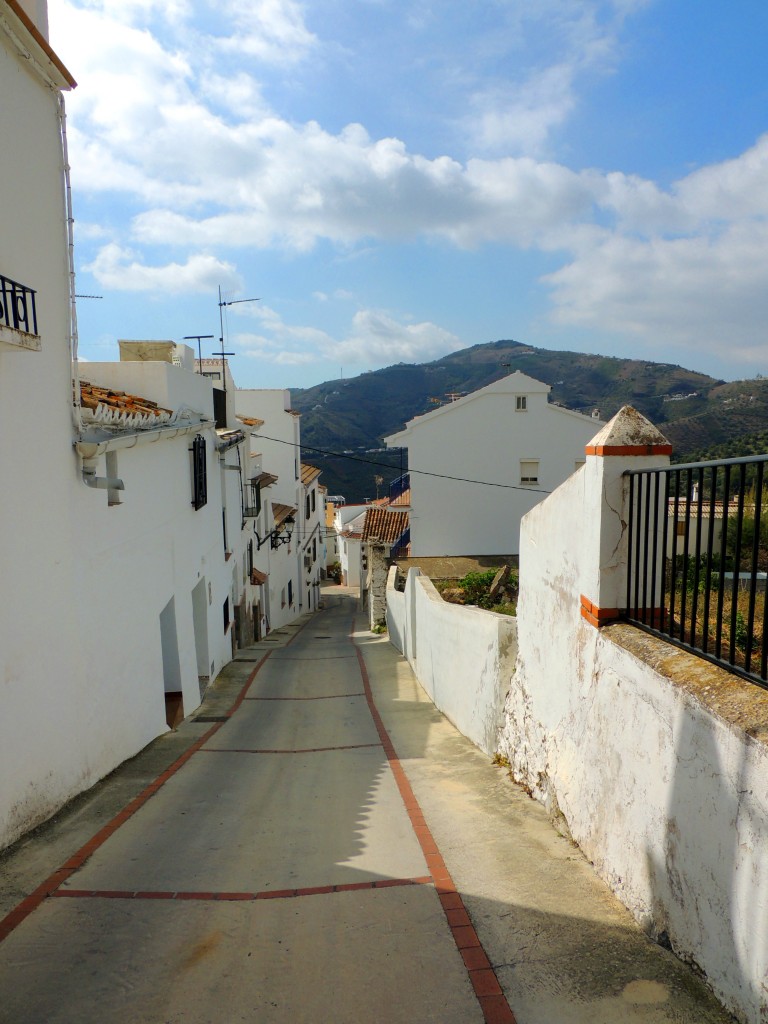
(476, 586)
(690, 572)
(740, 632)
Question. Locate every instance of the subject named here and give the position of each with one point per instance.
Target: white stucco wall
(40, 662)
(615, 733)
(484, 438)
(462, 656)
(82, 678)
(396, 621)
(278, 441)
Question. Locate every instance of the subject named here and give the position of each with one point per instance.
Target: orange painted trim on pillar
(653, 617)
(595, 615)
(628, 449)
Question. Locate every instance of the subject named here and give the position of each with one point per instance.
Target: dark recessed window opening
(199, 473)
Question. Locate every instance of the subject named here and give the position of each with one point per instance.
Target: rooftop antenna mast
(198, 338)
(222, 304)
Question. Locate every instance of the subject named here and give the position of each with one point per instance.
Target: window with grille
(199, 473)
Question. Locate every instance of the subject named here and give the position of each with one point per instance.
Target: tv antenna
(222, 304)
(198, 338)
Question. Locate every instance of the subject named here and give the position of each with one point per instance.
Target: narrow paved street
(320, 846)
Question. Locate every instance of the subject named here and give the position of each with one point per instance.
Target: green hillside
(352, 416)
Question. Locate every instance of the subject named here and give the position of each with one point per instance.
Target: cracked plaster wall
(663, 790)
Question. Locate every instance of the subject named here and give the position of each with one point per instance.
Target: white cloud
(520, 118)
(544, 51)
(129, 12)
(375, 338)
(269, 30)
(684, 267)
(378, 339)
(119, 270)
(162, 124)
(701, 293)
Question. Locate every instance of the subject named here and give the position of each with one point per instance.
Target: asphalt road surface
(319, 845)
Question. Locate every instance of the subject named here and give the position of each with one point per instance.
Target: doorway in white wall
(169, 643)
(200, 627)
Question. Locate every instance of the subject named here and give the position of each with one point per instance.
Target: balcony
(18, 315)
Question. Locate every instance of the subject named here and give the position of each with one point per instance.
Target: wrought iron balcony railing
(17, 306)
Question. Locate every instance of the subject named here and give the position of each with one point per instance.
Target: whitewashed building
(40, 660)
(348, 523)
(477, 465)
(126, 539)
(276, 469)
(310, 536)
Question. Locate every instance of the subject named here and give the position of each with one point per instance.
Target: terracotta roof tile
(385, 526)
(258, 577)
(264, 479)
(309, 473)
(92, 396)
(281, 512)
(251, 421)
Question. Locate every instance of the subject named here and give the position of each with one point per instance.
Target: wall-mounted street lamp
(278, 536)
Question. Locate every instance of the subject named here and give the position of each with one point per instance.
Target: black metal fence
(698, 560)
(17, 306)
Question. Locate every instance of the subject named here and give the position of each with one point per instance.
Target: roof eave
(49, 62)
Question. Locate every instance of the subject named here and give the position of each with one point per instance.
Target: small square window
(521, 403)
(529, 471)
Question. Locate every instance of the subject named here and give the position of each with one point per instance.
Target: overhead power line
(420, 472)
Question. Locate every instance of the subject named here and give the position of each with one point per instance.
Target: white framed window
(529, 471)
(521, 403)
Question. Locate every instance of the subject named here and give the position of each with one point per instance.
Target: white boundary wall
(462, 656)
(637, 746)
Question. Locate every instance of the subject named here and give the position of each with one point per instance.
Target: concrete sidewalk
(319, 844)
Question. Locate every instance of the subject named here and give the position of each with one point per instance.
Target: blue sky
(397, 180)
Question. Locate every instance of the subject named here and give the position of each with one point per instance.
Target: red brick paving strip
(266, 894)
(50, 886)
(305, 750)
(328, 696)
(493, 1002)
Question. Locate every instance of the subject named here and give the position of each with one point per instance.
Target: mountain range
(344, 420)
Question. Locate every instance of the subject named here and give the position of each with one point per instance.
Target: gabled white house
(477, 465)
(348, 523)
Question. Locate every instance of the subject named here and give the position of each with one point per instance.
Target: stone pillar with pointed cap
(628, 441)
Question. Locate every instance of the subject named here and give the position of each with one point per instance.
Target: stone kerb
(628, 442)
